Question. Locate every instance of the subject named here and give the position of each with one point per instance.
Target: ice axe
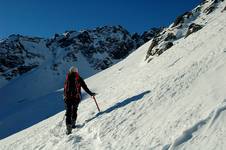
(96, 103)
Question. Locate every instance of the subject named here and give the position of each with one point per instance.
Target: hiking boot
(69, 128)
(73, 124)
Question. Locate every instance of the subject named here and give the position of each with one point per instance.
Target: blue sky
(46, 17)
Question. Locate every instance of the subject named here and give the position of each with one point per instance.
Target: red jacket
(75, 78)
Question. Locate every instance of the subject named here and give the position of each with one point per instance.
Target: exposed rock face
(193, 28)
(212, 7)
(159, 45)
(183, 26)
(15, 59)
(180, 19)
(148, 35)
(101, 47)
(170, 36)
(113, 42)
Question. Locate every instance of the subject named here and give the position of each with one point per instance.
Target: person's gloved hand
(93, 94)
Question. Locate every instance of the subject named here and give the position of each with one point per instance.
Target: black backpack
(72, 86)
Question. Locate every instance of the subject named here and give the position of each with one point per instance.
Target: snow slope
(176, 101)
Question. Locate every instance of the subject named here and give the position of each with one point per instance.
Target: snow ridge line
(188, 134)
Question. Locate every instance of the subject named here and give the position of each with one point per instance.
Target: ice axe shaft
(96, 103)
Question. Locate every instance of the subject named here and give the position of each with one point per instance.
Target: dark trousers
(71, 110)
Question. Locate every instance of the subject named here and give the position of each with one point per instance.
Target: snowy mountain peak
(97, 48)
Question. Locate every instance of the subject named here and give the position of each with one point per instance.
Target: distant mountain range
(100, 47)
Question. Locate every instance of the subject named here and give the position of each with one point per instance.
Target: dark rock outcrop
(150, 51)
(212, 7)
(15, 59)
(148, 35)
(170, 36)
(193, 28)
(180, 19)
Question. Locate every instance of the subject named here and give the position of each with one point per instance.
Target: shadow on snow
(120, 105)
(26, 113)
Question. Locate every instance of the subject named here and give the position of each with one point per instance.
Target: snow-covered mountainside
(174, 101)
(183, 26)
(94, 50)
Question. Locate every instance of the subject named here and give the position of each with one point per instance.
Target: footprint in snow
(74, 138)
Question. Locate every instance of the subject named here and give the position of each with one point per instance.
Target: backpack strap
(66, 85)
(78, 86)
